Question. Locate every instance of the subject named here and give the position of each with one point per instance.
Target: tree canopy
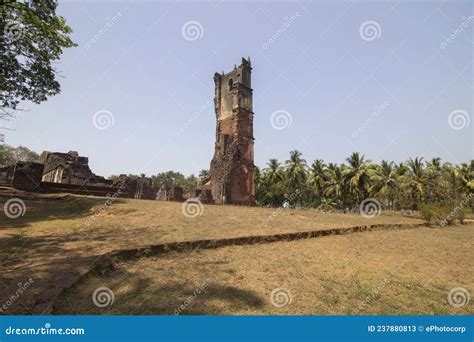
(9, 155)
(170, 178)
(33, 38)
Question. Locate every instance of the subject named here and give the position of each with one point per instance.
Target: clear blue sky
(319, 69)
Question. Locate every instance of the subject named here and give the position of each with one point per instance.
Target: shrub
(461, 215)
(431, 213)
(435, 214)
(448, 216)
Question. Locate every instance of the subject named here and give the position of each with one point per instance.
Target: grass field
(56, 241)
(382, 272)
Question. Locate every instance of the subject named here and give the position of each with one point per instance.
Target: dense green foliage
(434, 188)
(396, 186)
(33, 38)
(9, 155)
(175, 178)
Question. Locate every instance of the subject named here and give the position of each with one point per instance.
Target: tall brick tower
(232, 168)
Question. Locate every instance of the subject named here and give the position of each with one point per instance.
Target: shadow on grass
(137, 295)
(203, 304)
(44, 263)
(42, 208)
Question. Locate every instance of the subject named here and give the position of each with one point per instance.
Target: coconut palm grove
(411, 185)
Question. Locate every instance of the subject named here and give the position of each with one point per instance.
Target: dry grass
(62, 223)
(380, 272)
(146, 222)
(53, 244)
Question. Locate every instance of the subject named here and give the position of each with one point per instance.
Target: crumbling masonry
(231, 175)
(232, 168)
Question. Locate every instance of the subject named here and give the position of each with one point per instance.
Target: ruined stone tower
(232, 168)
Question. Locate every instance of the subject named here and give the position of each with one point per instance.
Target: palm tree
(335, 186)
(318, 178)
(433, 179)
(401, 169)
(385, 181)
(416, 180)
(466, 177)
(458, 181)
(274, 172)
(257, 173)
(296, 172)
(260, 189)
(435, 164)
(357, 176)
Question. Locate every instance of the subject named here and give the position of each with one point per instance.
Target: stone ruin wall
(69, 168)
(231, 175)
